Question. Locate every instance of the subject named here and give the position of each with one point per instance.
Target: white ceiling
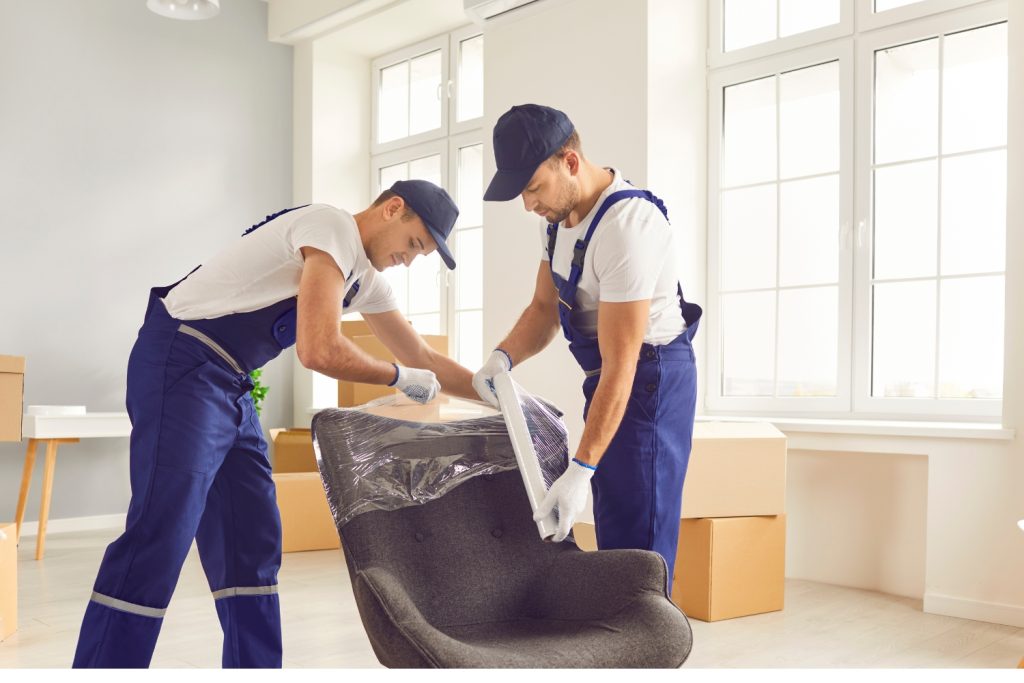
(396, 25)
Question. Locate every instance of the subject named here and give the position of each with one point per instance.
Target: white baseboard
(58, 526)
(992, 612)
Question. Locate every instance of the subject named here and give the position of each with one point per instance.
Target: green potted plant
(259, 390)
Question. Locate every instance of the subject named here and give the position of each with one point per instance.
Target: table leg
(44, 507)
(26, 479)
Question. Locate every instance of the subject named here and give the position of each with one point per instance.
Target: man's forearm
(455, 379)
(534, 330)
(341, 359)
(606, 410)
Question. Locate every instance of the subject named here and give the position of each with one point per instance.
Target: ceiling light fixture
(185, 9)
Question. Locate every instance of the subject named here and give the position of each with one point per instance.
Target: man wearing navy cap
(199, 466)
(608, 278)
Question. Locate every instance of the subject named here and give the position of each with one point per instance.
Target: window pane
(426, 324)
(809, 121)
(398, 278)
(749, 135)
(470, 188)
(974, 213)
(748, 22)
(748, 328)
(906, 101)
(424, 284)
(425, 93)
(883, 5)
(748, 238)
(809, 232)
(426, 168)
(470, 274)
(470, 101)
(808, 341)
(390, 174)
(470, 326)
(974, 89)
(906, 227)
(797, 16)
(903, 352)
(393, 107)
(971, 338)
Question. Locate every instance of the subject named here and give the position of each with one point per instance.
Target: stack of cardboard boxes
(358, 332)
(306, 520)
(732, 536)
(12, 391)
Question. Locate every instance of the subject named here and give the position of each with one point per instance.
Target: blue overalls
(199, 469)
(638, 486)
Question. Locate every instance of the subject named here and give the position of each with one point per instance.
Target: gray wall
(131, 148)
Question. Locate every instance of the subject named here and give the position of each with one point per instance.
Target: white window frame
(836, 51)
(445, 142)
(455, 143)
(454, 125)
(392, 58)
(718, 57)
(863, 402)
(868, 19)
(854, 48)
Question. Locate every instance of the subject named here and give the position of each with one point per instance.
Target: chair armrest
(593, 585)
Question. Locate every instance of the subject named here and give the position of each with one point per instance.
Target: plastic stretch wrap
(377, 462)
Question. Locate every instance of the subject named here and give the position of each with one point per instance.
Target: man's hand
(569, 493)
(483, 380)
(419, 385)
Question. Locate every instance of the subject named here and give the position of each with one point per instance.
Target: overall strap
(579, 251)
(272, 217)
(350, 295)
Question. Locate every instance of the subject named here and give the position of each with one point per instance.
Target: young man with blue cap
(608, 277)
(199, 466)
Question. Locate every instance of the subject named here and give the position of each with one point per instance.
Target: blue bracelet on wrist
(584, 464)
(510, 363)
(395, 380)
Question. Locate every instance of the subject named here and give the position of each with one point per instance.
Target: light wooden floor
(822, 625)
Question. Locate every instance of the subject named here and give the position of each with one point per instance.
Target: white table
(54, 430)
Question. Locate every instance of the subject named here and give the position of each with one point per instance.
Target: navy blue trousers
(199, 470)
(638, 486)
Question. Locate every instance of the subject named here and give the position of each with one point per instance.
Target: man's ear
(572, 161)
(392, 207)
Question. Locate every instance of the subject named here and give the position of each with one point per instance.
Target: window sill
(941, 430)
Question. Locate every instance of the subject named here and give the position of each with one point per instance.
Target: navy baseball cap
(524, 137)
(435, 207)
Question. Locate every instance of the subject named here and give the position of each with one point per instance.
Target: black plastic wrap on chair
(447, 566)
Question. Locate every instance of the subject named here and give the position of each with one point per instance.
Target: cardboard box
(585, 535)
(8, 579)
(293, 450)
(736, 469)
(730, 567)
(355, 328)
(356, 393)
(12, 397)
(306, 521)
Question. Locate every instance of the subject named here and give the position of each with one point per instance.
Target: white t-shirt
(630, 258)
(264, 267)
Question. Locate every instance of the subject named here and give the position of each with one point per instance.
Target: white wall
(131, 148)
(593, 60)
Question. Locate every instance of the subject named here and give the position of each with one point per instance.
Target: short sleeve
(375, 295)
(544, 241)
(631, 251)
(325, 229)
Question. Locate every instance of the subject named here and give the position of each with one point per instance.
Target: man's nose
(529, 203)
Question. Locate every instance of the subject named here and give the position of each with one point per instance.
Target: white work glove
(483, 380)
(569, 492)
(418, 384)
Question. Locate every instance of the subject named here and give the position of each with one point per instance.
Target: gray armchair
(462, 579)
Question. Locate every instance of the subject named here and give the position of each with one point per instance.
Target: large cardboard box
(736, 469)
(12, 393)
(306, 521)
(356, 393)
(293, 450)
(355, 328)
(8, 579)
(730, 567)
